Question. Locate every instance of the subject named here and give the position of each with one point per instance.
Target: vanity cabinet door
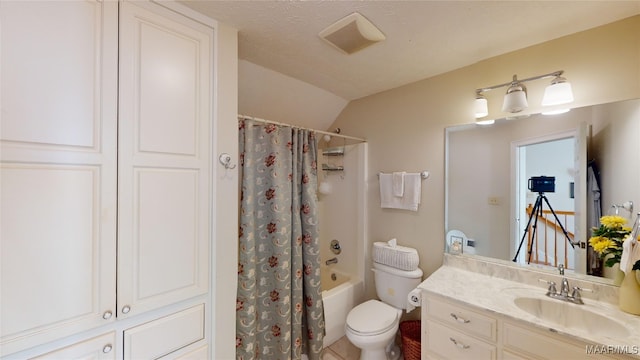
(537, 345)
(508, 355)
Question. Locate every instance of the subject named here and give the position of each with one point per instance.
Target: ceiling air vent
(352, 33)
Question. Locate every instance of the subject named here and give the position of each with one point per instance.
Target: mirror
(486, 195)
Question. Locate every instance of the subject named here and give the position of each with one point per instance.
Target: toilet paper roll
(414, 299)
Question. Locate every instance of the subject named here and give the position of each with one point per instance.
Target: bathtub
(340, 293)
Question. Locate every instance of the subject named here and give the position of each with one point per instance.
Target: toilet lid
(372, 317)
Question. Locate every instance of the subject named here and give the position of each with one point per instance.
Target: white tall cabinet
(105, 180)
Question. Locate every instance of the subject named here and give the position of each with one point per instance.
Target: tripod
(537, 211)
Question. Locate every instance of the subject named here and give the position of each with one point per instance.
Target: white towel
(412, 192)
(397, 182)
(630, 254)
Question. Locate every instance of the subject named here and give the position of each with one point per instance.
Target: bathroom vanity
(477, 309)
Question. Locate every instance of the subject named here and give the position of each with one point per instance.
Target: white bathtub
(339, 296)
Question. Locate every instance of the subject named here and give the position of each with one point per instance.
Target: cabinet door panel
(50, 72)
(163, 159)
(534, 344)
(56, 256)
(58, 169)
(168, 118)
(167, 256)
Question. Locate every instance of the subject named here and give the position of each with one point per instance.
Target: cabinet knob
(126, 309)
(107, 348)
(107, 315)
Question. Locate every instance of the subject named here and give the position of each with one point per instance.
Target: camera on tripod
(542, 184)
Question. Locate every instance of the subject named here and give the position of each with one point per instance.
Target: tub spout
(332, 261)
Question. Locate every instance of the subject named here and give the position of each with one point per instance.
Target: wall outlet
(493, 200)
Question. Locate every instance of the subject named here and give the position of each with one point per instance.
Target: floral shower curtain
(279, 313)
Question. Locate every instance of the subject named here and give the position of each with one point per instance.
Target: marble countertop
(497, 295)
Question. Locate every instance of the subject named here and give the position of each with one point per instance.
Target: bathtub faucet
(332, 261)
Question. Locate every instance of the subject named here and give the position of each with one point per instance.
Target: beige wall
(616, 149)
(405, 126)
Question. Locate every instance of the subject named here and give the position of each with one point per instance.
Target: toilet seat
(372, 317)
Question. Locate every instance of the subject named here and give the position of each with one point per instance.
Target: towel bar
(423, 174)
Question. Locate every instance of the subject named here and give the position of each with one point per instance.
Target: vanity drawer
(462, 318)
(449, 343)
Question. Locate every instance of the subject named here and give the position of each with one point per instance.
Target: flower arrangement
(609, 237)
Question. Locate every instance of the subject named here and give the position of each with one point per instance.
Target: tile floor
(341, 350)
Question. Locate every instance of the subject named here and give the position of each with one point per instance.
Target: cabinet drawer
(449, 343)
(534, 344)
(165, 335)
(98, 348)
(462, 318)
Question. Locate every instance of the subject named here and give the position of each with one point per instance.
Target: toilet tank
(394, 285)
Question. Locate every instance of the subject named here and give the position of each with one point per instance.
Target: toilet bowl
(372, 327)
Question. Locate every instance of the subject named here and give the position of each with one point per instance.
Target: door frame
(519, 188)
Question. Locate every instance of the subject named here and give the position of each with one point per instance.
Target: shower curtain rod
(246, 117)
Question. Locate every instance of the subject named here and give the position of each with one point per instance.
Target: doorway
(546, 243)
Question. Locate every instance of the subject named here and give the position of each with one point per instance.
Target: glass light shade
(480, 107)
(515, 101)
(557, 93)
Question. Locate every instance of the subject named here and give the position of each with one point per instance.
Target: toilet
(372, 325)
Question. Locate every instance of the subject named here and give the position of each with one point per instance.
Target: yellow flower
(595, 241)
(613, 221)
(600, 243)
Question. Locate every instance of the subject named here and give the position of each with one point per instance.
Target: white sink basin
(571, 316)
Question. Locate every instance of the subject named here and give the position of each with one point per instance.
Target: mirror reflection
(495, 173)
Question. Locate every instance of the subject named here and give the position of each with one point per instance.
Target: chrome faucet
(564, 288)
(332, 261)
(564, 295)
(564, 285)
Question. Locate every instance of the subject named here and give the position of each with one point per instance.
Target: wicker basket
(410, 333)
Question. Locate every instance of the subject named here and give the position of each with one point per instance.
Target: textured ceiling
(424, 38)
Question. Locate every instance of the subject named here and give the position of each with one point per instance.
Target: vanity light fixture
(515, 100)
(480, 107)
(558, 93)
